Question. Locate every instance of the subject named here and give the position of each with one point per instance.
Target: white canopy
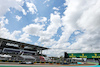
(4, 55)
(27, 57)
(77, 58)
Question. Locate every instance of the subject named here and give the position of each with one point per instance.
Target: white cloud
(24, 38)
(55, 23)
(76, 32)
(3, 21)
(13, 35)
(82, 15)
(31, 7)
(24, 13)
(6, 21)
(36, 43)
(4, 32)
(66, 3)
(6, 4)
(41, 19)
(55, 8)
(8, 9)
(19, 0)
(33, 29)
(46, 1)
(57, 50)
(18, 17)
(2, 24)
(38, 30)
(51, 29)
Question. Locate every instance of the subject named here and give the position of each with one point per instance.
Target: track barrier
(34, 62)
(9, 61)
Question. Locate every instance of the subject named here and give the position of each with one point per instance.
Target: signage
(84, 55)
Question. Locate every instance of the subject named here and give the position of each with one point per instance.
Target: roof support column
(0, 46)
(99, 61)
(41, 52)
(0, 42)
(38, 52)
(3, 43)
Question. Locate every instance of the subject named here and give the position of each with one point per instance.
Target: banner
(84, 55)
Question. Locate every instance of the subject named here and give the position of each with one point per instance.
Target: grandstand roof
(25, 44)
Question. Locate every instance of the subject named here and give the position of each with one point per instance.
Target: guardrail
(47, 63)
(34, 62)
(9, 61)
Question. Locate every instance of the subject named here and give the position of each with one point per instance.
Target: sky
(71, 26)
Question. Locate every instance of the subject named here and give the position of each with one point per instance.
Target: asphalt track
(16, 64)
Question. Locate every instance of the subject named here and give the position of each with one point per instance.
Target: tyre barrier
(34, 62)
(9, 61)
(47, 63)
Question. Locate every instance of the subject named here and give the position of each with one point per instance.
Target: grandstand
(11, 50)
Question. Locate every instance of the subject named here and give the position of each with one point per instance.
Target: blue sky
(62, 25)
(44, 11)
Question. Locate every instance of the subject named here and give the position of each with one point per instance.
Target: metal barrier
(9, 61)
(47, 63)
(34, 62)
